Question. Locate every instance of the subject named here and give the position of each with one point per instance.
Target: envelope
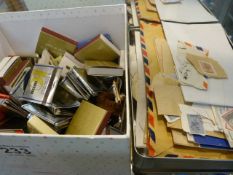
(188, 152)
(149, 6)
(168, 95)
(145, 14)
(164, 139)
(207, 66)
(180, 138)
(164, 56)
(186, 73)
(152, 32)
(197, 119)
(163, 136)
(177, 125)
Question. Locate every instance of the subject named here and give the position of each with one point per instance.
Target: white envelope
(207, 117)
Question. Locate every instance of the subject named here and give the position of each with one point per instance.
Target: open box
(35, 154)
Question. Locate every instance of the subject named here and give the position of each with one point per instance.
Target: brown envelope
(187, 152)
(145, 14)
(168, 95)
(149, 6)
(163, 136)
(164, 56)
(180, 138)
(206, 66)
(177, 125)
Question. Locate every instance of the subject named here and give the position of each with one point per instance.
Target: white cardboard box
(55, 4)
(64, 155)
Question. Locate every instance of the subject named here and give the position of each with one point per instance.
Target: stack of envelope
(193, 126)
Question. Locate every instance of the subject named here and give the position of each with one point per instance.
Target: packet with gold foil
(42, 84)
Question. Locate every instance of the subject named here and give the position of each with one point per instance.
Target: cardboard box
(51, 4)
(64, 155)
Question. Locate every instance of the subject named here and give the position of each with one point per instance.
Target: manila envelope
(145, 14)
(168, 95)
(206, 66)
(149, 6)
(177, 125)
(180, 138)
(164, 56)
(151, 32)
(163, 136)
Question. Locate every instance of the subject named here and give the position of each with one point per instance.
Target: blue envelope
(211, 142)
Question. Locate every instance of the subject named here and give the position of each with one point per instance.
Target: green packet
(55, 43)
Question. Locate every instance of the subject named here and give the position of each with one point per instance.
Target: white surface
(53, 4)
(188, 11)
(5, 48)
(213, 38)
(65, 155)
